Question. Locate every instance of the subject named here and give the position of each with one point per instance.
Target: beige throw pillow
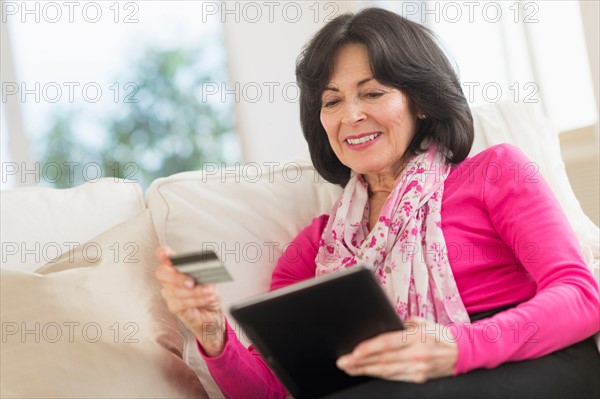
(93, 324)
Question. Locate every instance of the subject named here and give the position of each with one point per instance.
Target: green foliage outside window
(162, 126)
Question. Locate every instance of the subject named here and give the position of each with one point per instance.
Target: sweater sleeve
(241, 372)
(565, 307)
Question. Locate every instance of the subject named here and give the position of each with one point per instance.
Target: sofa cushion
(37, 224)
(93, 324)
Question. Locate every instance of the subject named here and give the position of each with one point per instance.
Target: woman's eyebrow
(331, 87)
(365, 80)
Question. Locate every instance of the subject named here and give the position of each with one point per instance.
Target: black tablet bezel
(301, 330)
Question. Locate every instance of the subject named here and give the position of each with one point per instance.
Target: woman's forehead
(350, 64)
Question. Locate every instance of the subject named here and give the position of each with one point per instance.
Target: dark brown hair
(402, 54)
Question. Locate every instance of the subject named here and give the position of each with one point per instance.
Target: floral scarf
(406, 249)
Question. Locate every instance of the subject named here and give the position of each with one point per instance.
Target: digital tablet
(301, 330)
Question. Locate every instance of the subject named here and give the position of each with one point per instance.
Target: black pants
(572, 372)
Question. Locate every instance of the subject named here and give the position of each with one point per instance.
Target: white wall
(590, 15)
(263, 55)
(580, 147)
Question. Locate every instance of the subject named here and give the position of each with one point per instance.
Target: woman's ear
(416, 110)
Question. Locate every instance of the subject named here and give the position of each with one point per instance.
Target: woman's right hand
(197, 306)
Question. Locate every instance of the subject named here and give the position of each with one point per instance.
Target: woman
(454, 242)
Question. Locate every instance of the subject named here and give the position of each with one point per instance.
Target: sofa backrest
(526, 126)
(246, 214)
(37, 224)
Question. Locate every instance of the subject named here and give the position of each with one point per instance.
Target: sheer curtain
(14, 144)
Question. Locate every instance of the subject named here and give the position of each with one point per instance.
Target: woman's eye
(330, 103)
(374, 95)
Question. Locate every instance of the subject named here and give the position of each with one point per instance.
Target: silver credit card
(204, 267)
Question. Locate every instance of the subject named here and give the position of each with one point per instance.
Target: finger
(405, 368)
(379, 344)
(389, 347)
(163, 253)
(380, 370)
(170, 292)
(409, 354)
(414, 322)
(403, 371)
(348, 362)
(414, 325)
(210, 302)
(181, 306)
(168, 276)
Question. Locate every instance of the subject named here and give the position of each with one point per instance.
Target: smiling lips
(362, 139)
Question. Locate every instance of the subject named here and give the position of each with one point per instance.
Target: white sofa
(91, 323)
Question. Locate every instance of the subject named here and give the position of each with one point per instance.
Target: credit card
(204, 267)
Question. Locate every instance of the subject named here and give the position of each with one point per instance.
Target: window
(112, 88)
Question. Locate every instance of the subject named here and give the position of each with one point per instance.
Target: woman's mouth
(363, 139)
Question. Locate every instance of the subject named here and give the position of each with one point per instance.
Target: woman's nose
(353, 113)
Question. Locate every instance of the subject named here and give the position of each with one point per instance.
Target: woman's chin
(371, 171)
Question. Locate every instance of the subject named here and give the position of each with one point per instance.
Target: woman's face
(369, 125)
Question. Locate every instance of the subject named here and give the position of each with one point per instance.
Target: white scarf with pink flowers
(406, 249)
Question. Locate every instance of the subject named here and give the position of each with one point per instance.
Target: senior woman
(466, 243)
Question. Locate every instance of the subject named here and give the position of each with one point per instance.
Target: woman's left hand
(424, 350)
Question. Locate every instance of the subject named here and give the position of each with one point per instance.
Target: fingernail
(189, 283)
(343, 362)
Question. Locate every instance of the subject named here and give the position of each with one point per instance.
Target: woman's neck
(384, 183)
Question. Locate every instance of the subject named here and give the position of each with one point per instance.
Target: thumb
(163, 252)
(414, 322)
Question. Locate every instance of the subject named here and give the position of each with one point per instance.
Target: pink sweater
(508, 242)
